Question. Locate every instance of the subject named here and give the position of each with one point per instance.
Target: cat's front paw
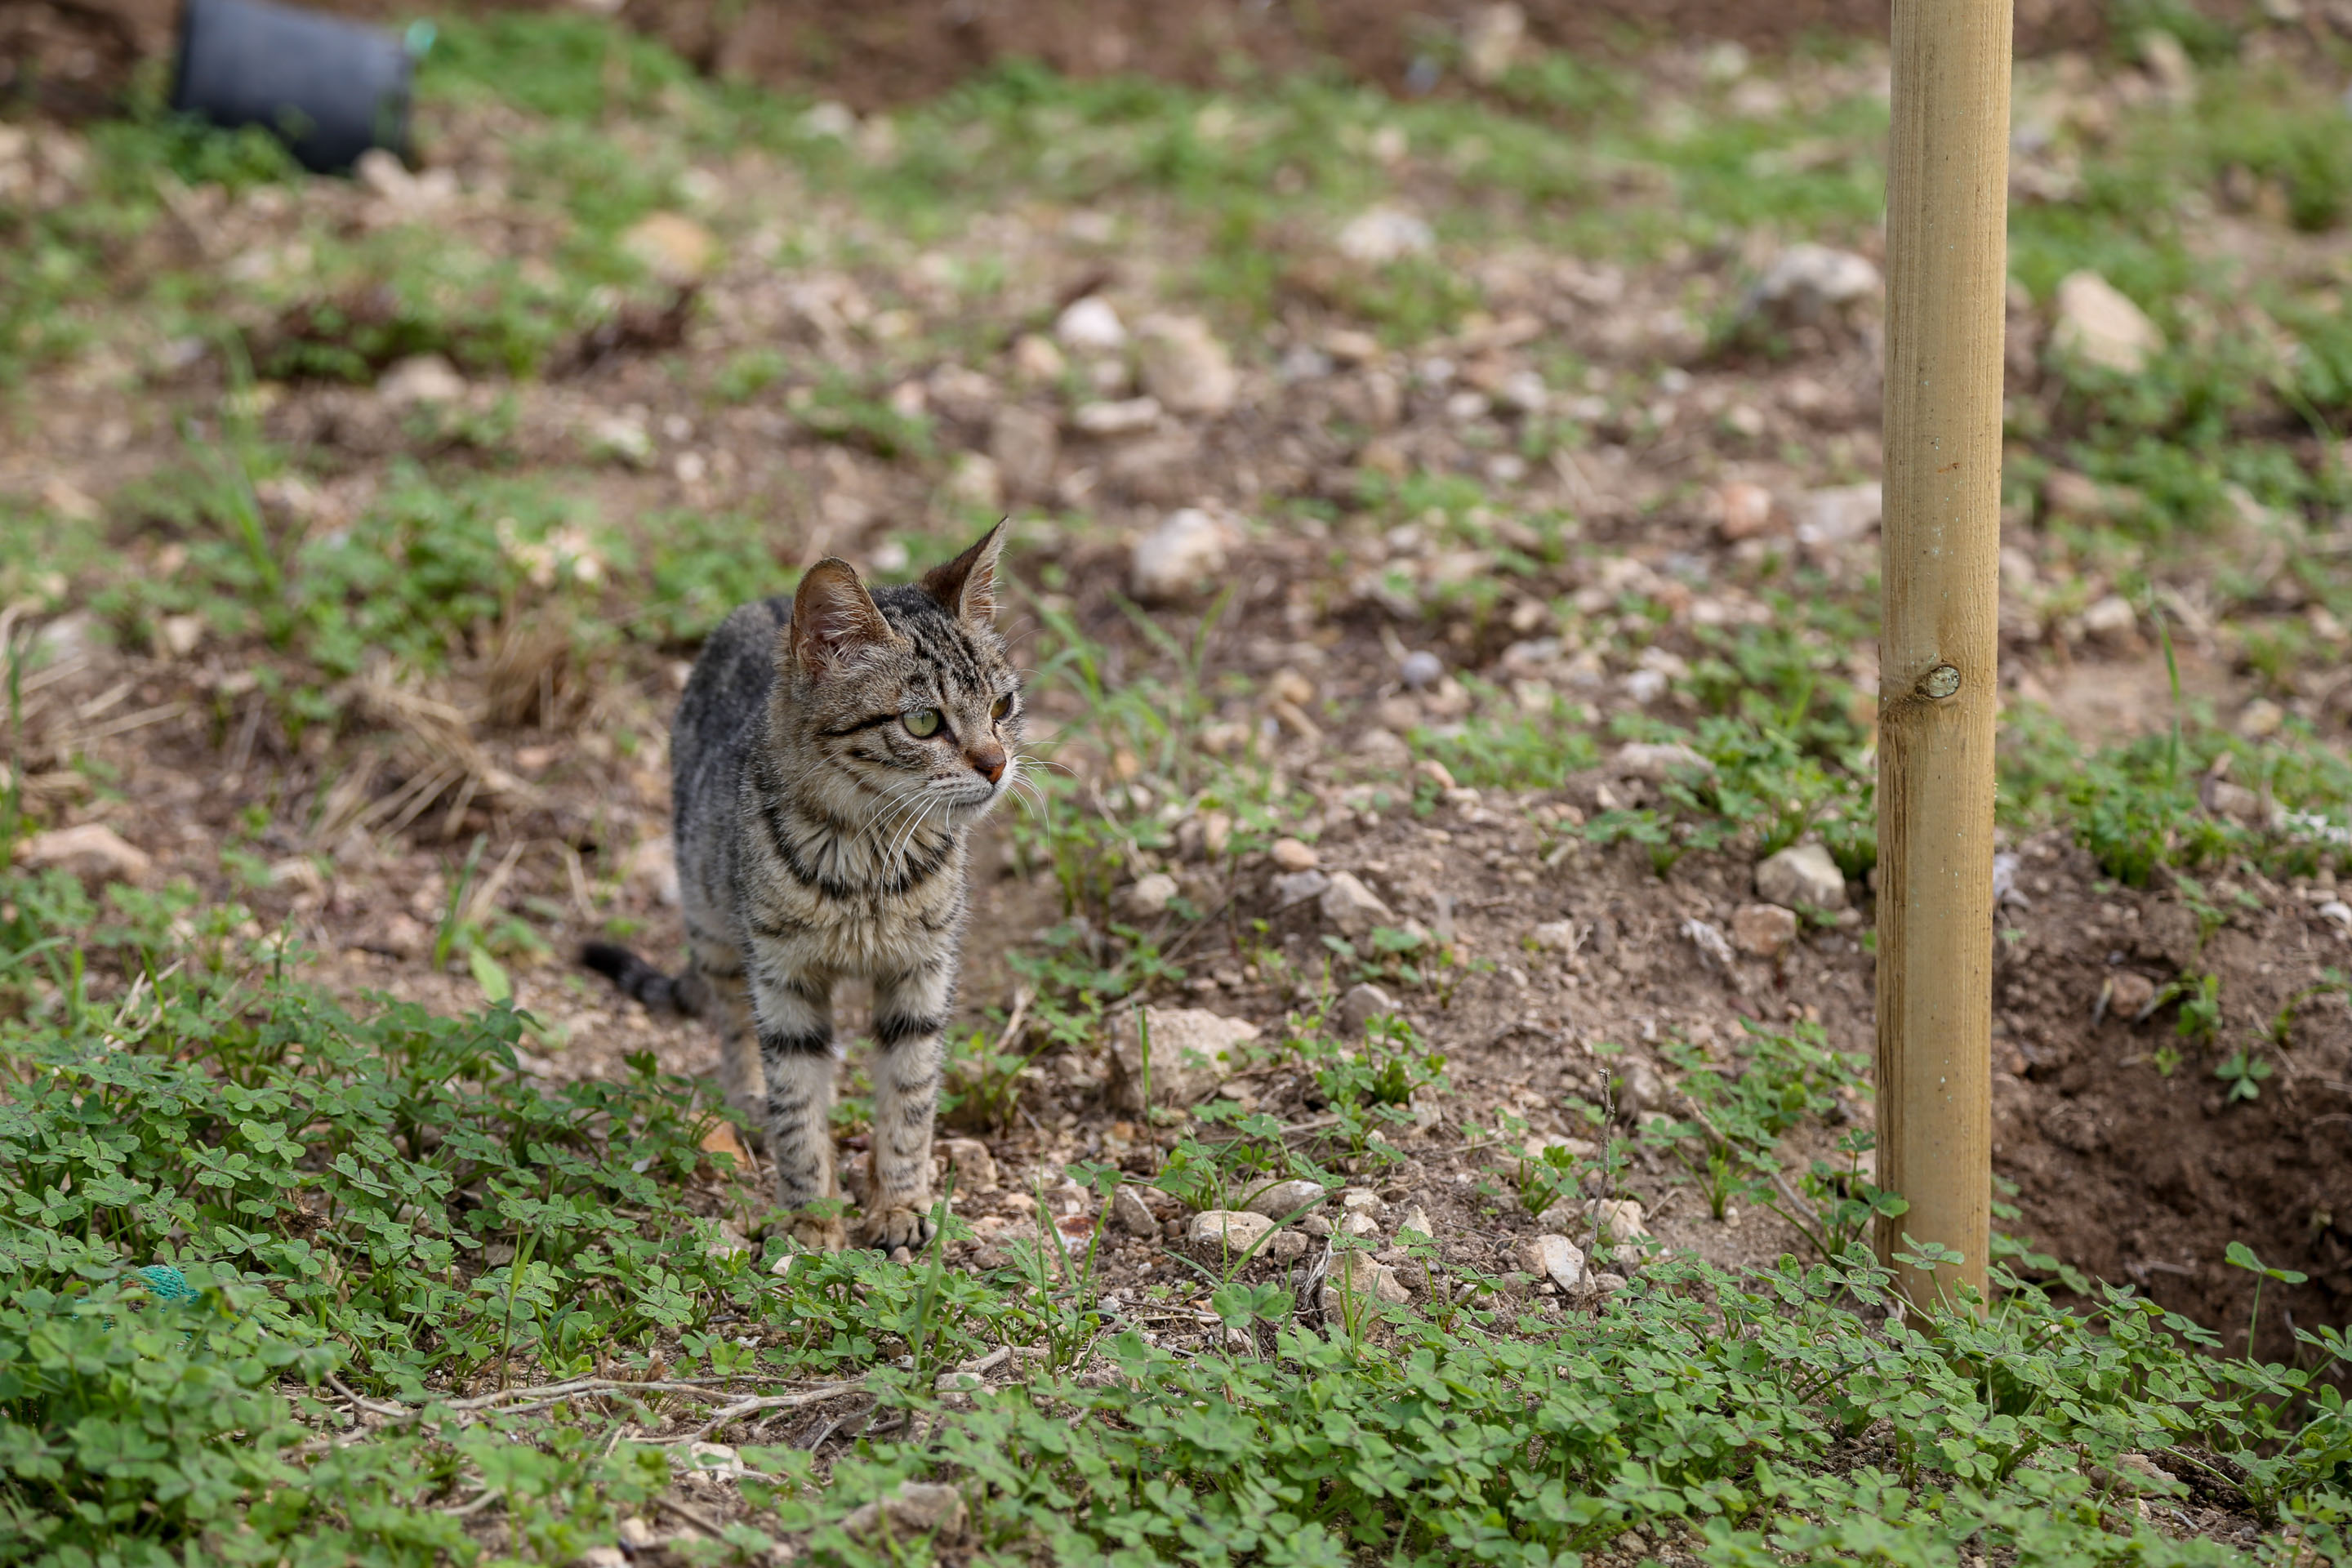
(817, 1232)
(891, 1229)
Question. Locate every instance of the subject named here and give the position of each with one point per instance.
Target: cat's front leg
(909, 1013)
(796, 1033)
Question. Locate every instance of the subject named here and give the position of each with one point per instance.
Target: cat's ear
(834, 619)
(966, 586)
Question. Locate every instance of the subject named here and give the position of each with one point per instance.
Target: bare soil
(2131, 1174)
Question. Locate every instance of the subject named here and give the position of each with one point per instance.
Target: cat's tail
(660, 993)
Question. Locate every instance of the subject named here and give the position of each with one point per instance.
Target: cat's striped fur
(829, 759)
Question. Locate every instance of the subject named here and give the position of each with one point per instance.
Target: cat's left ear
(966, 586)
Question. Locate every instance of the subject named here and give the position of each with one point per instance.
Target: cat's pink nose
(988, 763)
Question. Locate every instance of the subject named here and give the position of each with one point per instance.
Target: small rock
(1024, 445)
(974, 481)
(831, 120)
(1380, 751)
(673, 247)
(1809, 283)
(1291, 855)
(974, 1166)
(1287, 1245)
(2168, 66)
(1838, 514)
(69, 501)
(618, 435)
(1357, 1280)
(92, 851)
(1298, 887)
(1618, 1221)
(1036, 360)
(2337, 912)
(1091, 326)
(1557, 936)
(420, 378)
(1712, 944)
(2233, 800)
(2112, 620)
(1148, 898)
(2261, 718)
(651, 866)
(1381, 234)
(1416, 1221)
(1228, 1230)
(1763, 931)
(722, 1140)
(916, 1508)
(1657, 763)
(1491, 36)
(1352, 908)
(1360, 1005)
(1801, 877)
(2134, 1474)
(1523, 392)
(2128, 995)
(602, 1557)
(1745, 510)
(1357, 1225)
(1639, 1089)
(2066, 493)
(180, 635)
(2005, 889)
(2098, 325)
(1283, 1199)
(1184, 365)
(1126, 416)
(1553, 1257)
(1180, 558)
(728, 1240)
(1193, 1051)
(1132, 1214)
(1421, 670)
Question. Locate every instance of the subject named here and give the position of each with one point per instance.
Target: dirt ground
(76, 54)
(2123, 1169)
(2125, 1174)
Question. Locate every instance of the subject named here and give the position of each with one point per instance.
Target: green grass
(378, 1197)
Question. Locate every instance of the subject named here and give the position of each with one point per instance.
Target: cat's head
(907, 694)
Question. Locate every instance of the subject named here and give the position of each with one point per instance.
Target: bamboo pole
(1947, 249)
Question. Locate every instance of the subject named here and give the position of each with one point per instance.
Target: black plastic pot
(331, 89)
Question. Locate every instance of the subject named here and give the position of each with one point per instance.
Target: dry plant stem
(690, 1516)
(1948, 172)
(523, 1401)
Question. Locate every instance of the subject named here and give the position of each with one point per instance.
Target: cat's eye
(1003, 706)
(923, 723)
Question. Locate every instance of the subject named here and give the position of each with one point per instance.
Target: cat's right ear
(835, 621)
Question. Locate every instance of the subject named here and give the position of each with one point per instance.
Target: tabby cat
(829, 759)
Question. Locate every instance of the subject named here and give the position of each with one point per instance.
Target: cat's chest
(858, 914)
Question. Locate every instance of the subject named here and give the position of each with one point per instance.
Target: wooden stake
(1946, 251)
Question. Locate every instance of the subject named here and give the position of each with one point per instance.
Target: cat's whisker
(1027, 793)
(906, 837)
